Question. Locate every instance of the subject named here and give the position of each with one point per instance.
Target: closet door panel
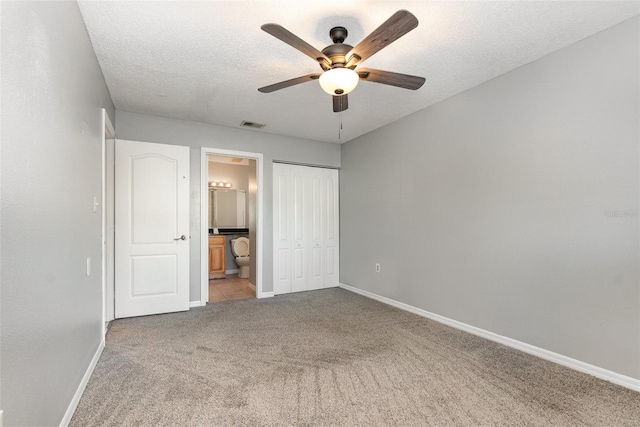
(316, 178)
(316, 206)
(331, 232)
(284, 267)
(300, 239)
(282, 230)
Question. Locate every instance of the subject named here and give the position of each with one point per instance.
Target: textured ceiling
(204, 61)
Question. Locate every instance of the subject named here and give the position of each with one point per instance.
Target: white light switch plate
(89, 266)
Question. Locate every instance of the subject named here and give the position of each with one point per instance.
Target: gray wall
(513, 206)
(52, 92)
(141, 127)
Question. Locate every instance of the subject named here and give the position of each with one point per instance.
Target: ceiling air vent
(252, 125)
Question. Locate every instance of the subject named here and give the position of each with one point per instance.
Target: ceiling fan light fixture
(339, 81)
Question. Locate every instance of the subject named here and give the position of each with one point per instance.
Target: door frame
(204, 214)
(109, 133)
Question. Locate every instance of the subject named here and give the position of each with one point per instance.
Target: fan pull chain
(340, 127)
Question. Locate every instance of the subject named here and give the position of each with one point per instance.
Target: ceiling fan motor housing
(338, 34)
(337, 51)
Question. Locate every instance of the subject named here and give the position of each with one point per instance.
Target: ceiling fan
(339, 60)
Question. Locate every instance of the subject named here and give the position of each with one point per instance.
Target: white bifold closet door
(306, 228)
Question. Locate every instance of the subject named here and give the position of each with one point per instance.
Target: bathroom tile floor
(230, 288)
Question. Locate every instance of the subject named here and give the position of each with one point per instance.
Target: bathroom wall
(513, 206)
(236, 174)
(52, 92)
(142, 127)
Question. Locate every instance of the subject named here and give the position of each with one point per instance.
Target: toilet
(240, 249)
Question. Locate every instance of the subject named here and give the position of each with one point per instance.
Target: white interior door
(151, 228)
(306, 228)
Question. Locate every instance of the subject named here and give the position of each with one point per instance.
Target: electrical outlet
(1, 424)
(377, 268)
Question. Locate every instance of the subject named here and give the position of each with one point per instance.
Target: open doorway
(230, 213)
(231, 224)
(107, 203)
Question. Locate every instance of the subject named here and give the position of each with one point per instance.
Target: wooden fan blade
(388, 78)
(287, 83)
(391, 30)
(340, 103)
(292, 40)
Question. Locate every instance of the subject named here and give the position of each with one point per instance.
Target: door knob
(183, 237)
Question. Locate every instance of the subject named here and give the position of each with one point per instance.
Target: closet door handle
(183, 237)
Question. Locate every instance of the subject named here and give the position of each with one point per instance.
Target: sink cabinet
(217, 257)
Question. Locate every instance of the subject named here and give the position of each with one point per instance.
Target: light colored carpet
(331, 357)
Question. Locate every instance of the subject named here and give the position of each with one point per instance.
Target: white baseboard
(235, 271)
(251, 285)
(83, 384)
(596, 371)
(196, 304)
(265, 295)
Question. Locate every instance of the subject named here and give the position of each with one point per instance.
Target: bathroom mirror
(227, 208)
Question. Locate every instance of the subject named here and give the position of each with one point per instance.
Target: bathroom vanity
(217, 257)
